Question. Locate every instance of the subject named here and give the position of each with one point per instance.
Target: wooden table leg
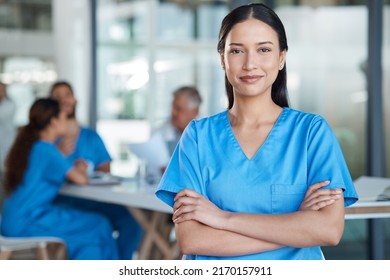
(154, 236)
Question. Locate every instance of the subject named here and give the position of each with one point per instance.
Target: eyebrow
(259, 43)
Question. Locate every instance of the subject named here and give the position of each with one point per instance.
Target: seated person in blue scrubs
(81, 143)
(35, 170)
(259, 180)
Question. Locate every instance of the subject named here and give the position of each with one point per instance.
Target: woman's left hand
(190, 205)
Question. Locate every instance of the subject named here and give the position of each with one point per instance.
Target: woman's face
(65, 97)
(252, 58)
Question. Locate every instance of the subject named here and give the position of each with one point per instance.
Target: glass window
(26, 15)
(26, 57)
(26, 78)
(326, 70)
(144, 55)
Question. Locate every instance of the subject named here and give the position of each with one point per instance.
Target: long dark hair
(41, 113)
(267, 15)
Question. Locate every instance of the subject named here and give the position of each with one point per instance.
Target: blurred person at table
(35, 170)
(258, 180)
(185, 107)
(7, 126)
(82, 143)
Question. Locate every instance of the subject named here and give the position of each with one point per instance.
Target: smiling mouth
(250, 79)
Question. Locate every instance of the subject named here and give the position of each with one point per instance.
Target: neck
(253, 110)
(73, 127)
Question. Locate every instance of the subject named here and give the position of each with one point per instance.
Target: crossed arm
(319, 221)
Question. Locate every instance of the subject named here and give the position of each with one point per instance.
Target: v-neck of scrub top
(235, 145)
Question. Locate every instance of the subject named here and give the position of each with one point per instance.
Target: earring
(281, 67)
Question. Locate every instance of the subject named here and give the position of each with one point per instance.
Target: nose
(250, 62)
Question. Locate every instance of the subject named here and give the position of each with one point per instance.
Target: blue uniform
(29, 210)
(300, 150)
(89, 146)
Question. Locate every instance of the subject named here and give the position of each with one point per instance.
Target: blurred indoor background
(125, 58)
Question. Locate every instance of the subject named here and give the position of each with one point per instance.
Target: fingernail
(327, 182)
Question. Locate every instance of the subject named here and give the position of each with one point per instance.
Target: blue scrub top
(30, 211)
(45, 174)
(90, 146)
(300, 150)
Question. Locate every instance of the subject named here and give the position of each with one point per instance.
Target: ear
(282, 59)
(222, 58)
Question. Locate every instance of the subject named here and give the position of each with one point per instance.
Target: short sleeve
(100, 153)
(326, 161)
(183, 170)
(90, 146)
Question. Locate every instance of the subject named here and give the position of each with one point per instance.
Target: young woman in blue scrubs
(260, 180)
(35, 172)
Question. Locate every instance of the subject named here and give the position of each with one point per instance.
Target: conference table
(155, 216)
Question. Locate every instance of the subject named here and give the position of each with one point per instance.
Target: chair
(45, 247)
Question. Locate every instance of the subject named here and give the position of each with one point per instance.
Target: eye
(235, 51)
(264, 50)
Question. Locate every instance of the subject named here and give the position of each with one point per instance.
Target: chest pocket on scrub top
(287, 198)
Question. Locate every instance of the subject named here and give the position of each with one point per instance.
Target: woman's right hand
(318, 197)
(78, 174)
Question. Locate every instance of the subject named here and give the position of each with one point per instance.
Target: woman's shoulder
(89, 135)
(302, 116)
(311, 123)
(44, 145)
(48, 146)
(87, 131)
(202, 126)
(212, 119)
(43, 149)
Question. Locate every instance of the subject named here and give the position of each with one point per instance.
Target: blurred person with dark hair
(35, 170)
(85, 144)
